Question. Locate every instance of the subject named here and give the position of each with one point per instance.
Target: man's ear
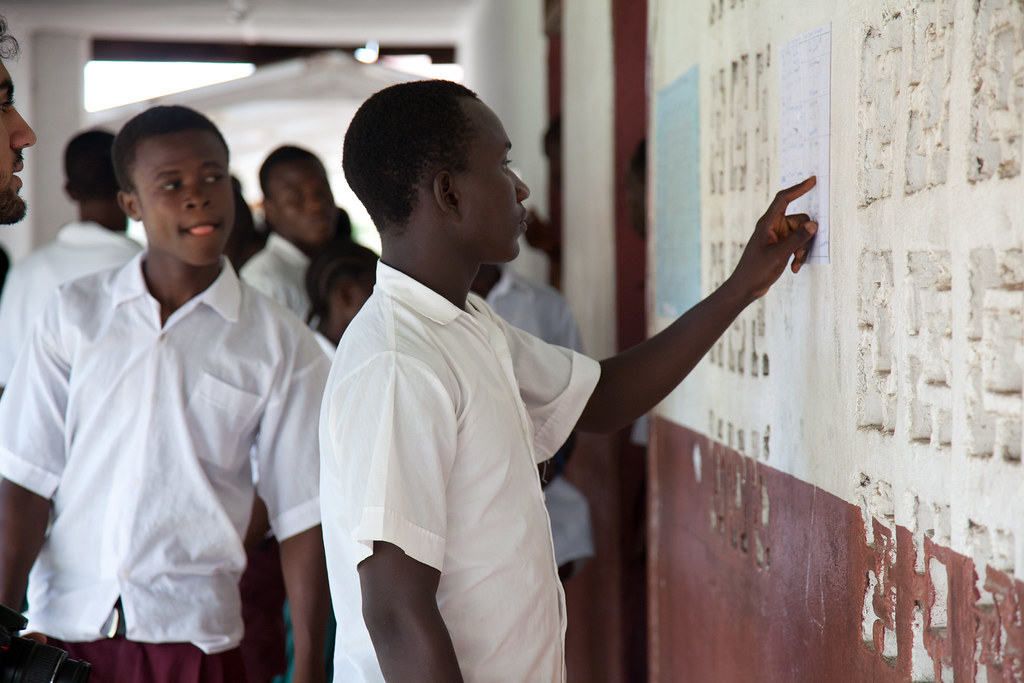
(69, 192)
(129, 203)
(446, 195)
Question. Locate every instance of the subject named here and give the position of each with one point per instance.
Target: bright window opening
(112, 84)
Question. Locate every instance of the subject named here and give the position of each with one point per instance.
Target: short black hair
(336, 262)
(399, 136)
(8, 43)
(283, 155)
(89, 168)
(150, 124)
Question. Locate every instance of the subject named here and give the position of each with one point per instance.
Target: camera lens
(26, 661)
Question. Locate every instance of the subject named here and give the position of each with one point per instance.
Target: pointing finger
(784, 197)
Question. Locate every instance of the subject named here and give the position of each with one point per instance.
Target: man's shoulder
(542, 291)
(261, 262)
(62, 261)
(260, 309)
(96, 285)
(387, 330)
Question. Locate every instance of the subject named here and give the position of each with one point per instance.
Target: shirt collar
(224, 296)
(286, 250)
(416, 295)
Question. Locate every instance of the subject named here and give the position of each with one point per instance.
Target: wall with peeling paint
(888, 382)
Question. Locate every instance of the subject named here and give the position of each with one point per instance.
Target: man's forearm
(305, 579)
(635, 380)
(400, 610)
(23, 520)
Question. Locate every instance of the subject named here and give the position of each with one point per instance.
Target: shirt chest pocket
(223, 421)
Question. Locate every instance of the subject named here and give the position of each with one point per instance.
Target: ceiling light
(368, 54)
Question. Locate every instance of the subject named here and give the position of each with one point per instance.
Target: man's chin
(12, 208)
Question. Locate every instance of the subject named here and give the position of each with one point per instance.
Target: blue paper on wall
(677, 196)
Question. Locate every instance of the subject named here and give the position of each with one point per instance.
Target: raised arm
(635, 380)
(23, 519)
(305, 581)
(400, 610)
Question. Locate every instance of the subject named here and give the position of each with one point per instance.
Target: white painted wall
(588, 276)
(504, 53)
(895, 375)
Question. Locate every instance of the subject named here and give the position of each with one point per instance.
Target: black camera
(26, 661)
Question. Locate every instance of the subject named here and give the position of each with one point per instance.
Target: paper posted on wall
(806, 83)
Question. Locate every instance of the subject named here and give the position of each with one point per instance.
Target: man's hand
(776, 238)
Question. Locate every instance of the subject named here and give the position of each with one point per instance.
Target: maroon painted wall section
(758, 576)
(629, 36)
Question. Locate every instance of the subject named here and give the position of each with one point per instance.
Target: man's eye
(216, 177)
(168, 187)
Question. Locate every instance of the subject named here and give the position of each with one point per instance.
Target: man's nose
(198, 197)
(22, 135)
(522, 190)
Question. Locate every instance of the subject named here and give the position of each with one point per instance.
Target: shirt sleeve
(287, 447)
(34, 407)
(13, 303)
(391, 431)
(555, 383)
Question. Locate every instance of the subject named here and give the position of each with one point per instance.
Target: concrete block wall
(883, 390)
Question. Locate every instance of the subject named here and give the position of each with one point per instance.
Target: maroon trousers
(117, 660)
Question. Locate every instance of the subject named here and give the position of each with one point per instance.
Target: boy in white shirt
(436, 411)
(302, 218)
(126, 431)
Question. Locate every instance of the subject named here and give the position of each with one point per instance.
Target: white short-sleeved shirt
(141, 436)
(433, 421)
(81, 248)
(279, 271)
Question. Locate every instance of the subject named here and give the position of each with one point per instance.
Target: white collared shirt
(279, 271)
(80, 248)
(141, 436)
(539, 309)
(433, 421)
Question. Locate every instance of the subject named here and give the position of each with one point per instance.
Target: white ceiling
(395, 22)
